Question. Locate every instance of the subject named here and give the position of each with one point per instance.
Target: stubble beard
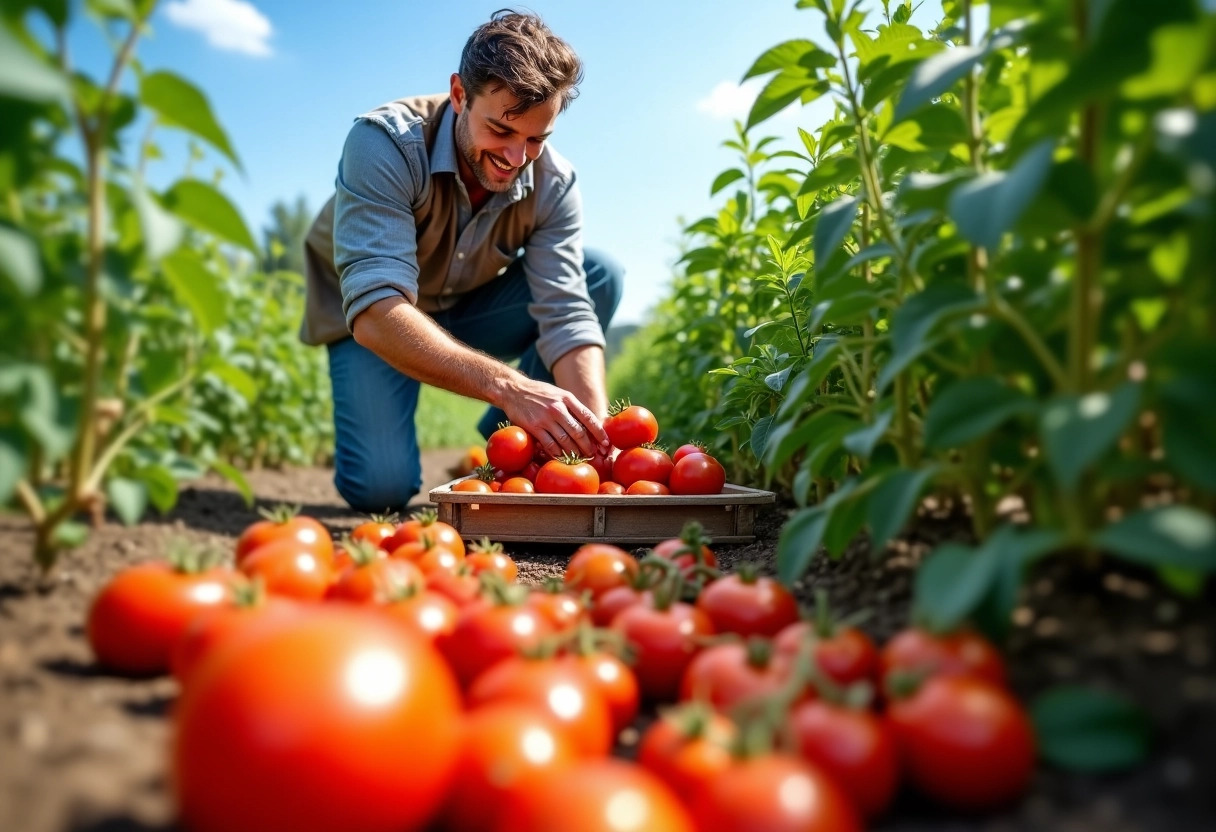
(464, 144)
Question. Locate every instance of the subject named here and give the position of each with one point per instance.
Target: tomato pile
(636, 465)
(400, 680)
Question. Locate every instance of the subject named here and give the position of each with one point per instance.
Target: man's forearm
(581, 371)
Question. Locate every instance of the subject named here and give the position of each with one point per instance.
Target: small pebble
(1159, 642)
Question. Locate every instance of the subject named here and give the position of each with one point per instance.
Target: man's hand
(556, 419)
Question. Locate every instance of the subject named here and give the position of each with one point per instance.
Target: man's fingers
(595, 430)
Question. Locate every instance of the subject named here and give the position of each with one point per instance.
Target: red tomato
(689, 550)
(648, 488)
(603, 465)
(845, 655)
(427, 613)
(562, 609)
(510, 448)
(284, 523)
(518, 485)
(489, 557)
(289, 569)
(487, 633)
(615, 682)
(731, 673)
(461, 587)
(376, 530)
(611, 488)
(372, 581)
(663, 641)
(598, 567)
(962, 652)
(504, 745)
(530, 471)
(642, 463)
(610, 603)
(748, 604)
(215, 625)
(328, 703)
(138, 616)
(964, 741)
(853, 746)
(570, 475)
(686, 449)
(773, 793)
(425, 523)
(428, 557)
(629, 425)
(601, 795)
(686, 746)
(697, 474)
(473, 486)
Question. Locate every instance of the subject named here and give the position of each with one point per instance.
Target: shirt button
(460, 255)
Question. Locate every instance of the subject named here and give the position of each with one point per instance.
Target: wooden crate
(728, 517)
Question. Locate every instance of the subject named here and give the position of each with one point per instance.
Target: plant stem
(1086, 296)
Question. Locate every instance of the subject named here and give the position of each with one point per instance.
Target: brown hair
(517, 51)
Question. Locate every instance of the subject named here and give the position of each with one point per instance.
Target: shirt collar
(443, 158)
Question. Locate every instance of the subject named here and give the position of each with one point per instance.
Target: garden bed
(84, 751)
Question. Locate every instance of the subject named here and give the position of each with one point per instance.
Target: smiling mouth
(503, 168)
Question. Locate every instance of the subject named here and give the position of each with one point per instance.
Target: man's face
(495, 146)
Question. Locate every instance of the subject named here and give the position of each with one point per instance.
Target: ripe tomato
(559, 688)
(371, 579)
(503, 745)
(610, 603)
(611, 488)
(697, 474)
(642, 463)
(748, 604)
(598, 567)
(291, 570)
(328, 703)
(562, 609)
(473, 486)
(603, 465)
(728, 674)
(689, 550)
(687, 448)
(531, 470)
(137, 617)
(964, 742)
(962, 652)
(461, 587)
(664, 637)
(489, 632)
(629, 425)
(285, 523)
(425, 523)
(518, 485)
(428, 613)
(489, 557)
(844, 655)
(646, 487)
(376, 530)
(601, 795)
(568, 475)
(510, 448)
(774, 793)
(615, 682)
(217, 624)
(686, 746)
(429, 557)
(853, 746)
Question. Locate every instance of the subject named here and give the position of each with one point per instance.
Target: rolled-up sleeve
(553, 265)
(375, 239)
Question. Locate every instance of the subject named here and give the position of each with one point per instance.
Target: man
(453, 244)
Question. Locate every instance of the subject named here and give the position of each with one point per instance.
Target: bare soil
(83, 750)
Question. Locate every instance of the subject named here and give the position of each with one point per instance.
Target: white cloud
(232, 25)
(729, 100)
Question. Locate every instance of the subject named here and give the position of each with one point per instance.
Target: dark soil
(82, 750)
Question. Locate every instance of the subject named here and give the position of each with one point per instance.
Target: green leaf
(799, 541)
(992, 203)
(848, 516)
(807, 382)
(1015, 549)
(760, 435)
(725, 178)
(934, 76)
(802, 54)
(1082, 729)
(915, 320)
(69, 534)
(180, 104)
(129, 499)
(784, 89)
(788, 438)
(12, 469)
(861, 442)
(830, 172)
(971, 408)
(163, 232)
(234, 377)
(892, 503)
(204, 207)
(835, 220)
(1077, 430)
(196, 287)
(19, 261)
(25, 76)
(1178, 536)
(236, 478)
(161, 486)
(950, 585)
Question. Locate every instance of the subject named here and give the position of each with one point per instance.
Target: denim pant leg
(495, 319)
(376, 461)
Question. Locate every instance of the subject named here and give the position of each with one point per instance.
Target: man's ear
(457, 94)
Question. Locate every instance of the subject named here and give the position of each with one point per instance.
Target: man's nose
(515, 153)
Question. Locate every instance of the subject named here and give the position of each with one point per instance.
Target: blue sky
(285, 78)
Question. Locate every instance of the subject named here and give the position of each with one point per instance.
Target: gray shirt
(401, 225)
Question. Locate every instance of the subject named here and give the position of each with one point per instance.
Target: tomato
(664, 635)
(748, 604)
(373, 577)
(647, 488)
(461, 586)
(560, 688)
(689, 550)
(603, 465)
(629, 425)
(598, 567)
(278, 731)
(853, 746)
(562, 609)
(376, 530)
(686, 449)
(615, 682)
(137, 617)
(489, 557)
(844, 655)
(611, 488)
(473, 486)
(962, 652)
(423, 611)
(429, 557)
(510, 448)
(964, 741)
(773, 793)
(488, 632)
(600, 795)
(697, 474)
(425, 523)
(687, 745)
(285, 523)
(214, 625)
(518, 485)
(568, 475)
(642, 463)
(610, 603)
(474, 457)
(289, 569)
(731, 673)
(503, 746)
(530, 471)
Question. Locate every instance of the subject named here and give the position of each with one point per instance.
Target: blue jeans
(376, 461)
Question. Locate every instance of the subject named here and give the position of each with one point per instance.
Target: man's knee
(605, 283)
(374, 491)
